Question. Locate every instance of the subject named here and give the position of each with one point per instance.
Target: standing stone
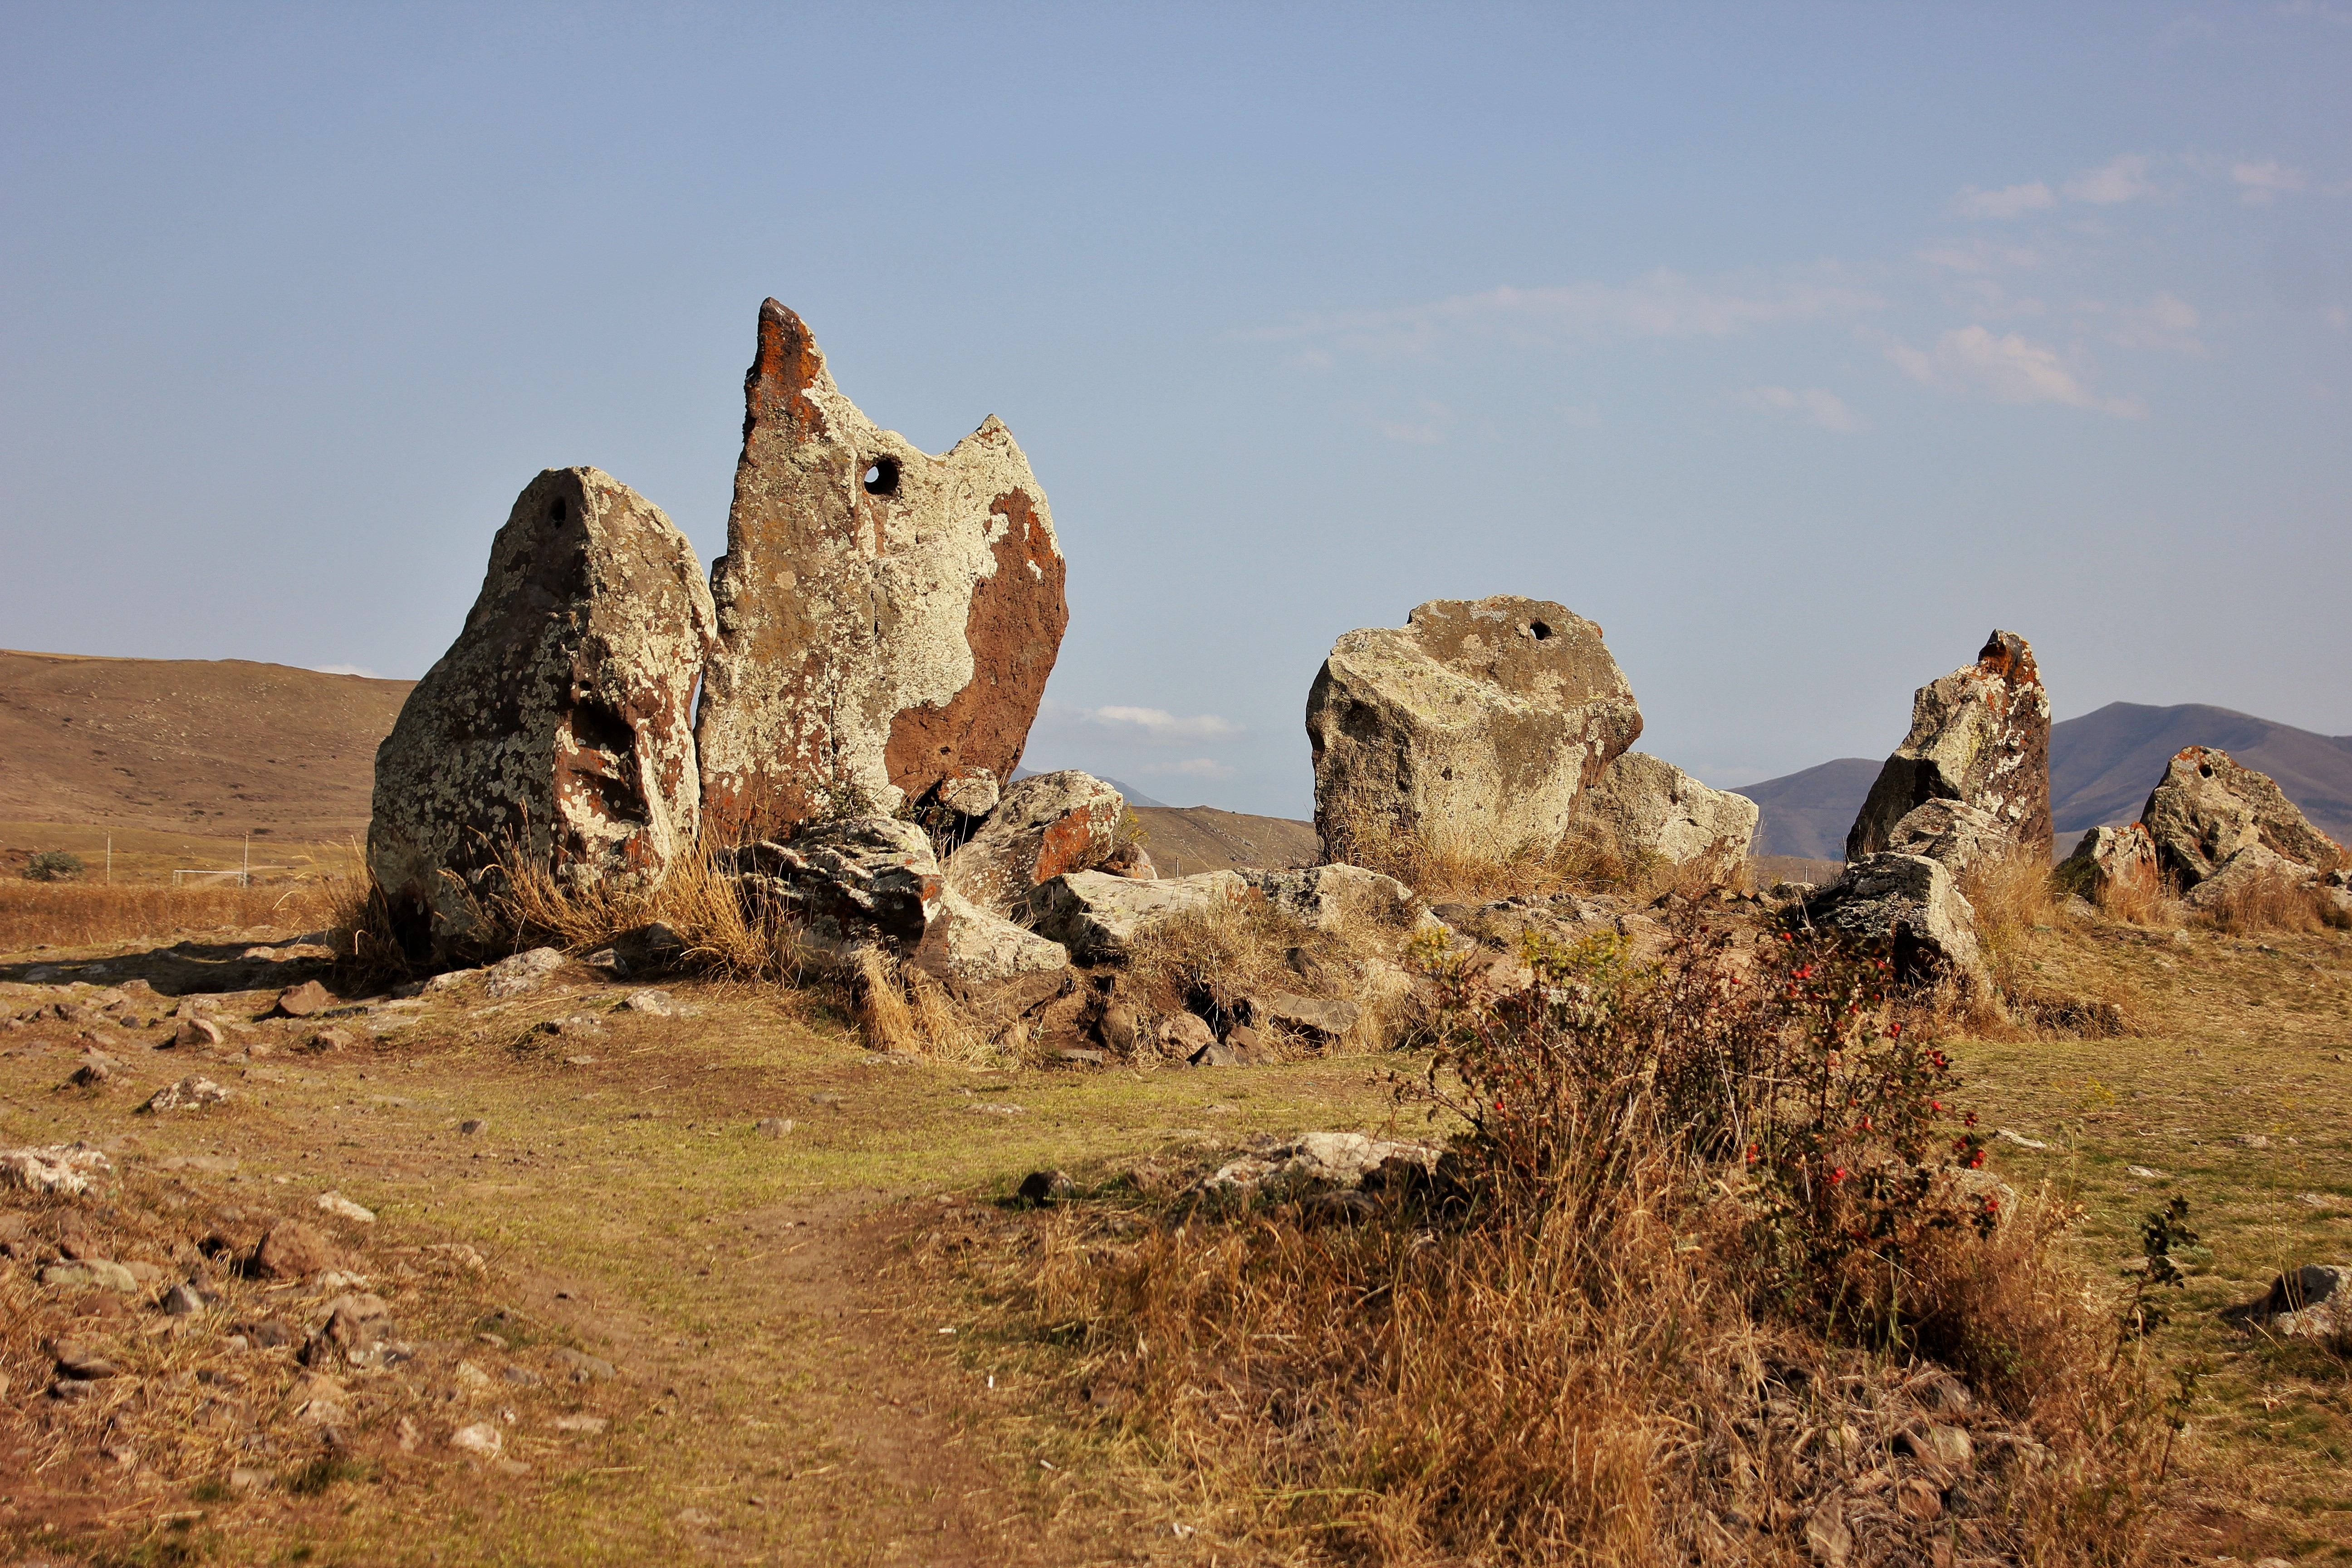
(1957, 835)
(558, 726)
(2113, 865)
(2206, 808)
(1472, 730)
(1643, 812)
(887, 618)
(1907, 910)
(1980, 736)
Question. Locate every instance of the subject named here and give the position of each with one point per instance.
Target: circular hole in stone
(1540, 630)
(882, 476)
(555, 512)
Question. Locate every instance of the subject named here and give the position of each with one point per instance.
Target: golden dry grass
(1572, 1360)
(82, 914)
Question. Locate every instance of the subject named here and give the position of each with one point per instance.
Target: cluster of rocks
(2211, 829)
(1968, 786)
(1497, 728)
(877, 635)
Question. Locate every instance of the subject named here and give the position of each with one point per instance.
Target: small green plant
(53, 865)
(2159, 1233)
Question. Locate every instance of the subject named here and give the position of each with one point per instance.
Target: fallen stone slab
(966, 943)
(2113, 863)
(858, 882)
(1335, 896)
(1042, 827)
(191, 1093)
(1643, 814)
(521, 973)
(66, 1168)
(1907, 910)
(1098, 916)
(1314, 1162)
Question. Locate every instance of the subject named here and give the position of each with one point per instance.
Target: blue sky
(1796, 345)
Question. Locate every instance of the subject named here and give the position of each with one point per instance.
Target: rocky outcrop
(1319, 1162)
(1957, 835)
(2253, 869)
(1098, 916)
(2113, 864)
(965, 942)
(1644, 814)
(1043, 826)
(1472, 730)
(1334, 897)
(557, 727)
(1980, 736)
(2207, 809)
(887, 618)
(859, 882)
(1906, 908)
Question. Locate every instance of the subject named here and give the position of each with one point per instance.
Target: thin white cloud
(2264, 181)
(348, 669)
(1978, 255)
(1427, 431)
(2010, 201)
(1816, 406)
(1189, 768)
(2007, 369)
(1159, 726)
(2121, 179)
(2166, 321)
(1661, 304)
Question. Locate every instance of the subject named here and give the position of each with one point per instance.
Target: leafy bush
(53, 865)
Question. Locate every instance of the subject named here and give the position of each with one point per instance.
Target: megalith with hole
(1469, 733)
(886, 617)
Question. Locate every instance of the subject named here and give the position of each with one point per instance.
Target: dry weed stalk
(2274, 902)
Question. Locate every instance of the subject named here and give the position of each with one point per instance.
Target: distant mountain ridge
(2102, 767)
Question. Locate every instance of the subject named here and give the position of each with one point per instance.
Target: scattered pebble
(2018, 1139)
(472, 1125)
(772, 1126)
(482, 1439)
(343, 1208)
(2148, 1173)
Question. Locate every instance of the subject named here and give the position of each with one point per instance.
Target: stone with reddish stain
(887, 618)
(1979, 735)
(559, 725)
(1043, 826)
(1471, 731)
(2207, 809)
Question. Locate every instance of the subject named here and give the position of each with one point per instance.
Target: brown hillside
(216, 748)
(1186, 839)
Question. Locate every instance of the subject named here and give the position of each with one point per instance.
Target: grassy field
(807, 1374)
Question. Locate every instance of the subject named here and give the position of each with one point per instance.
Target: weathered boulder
(1316, 1162)
(1472, 730)
(2206, 808)
(1334, 897)
(57, 1168)
(1643, 812)
(2314, 1301)
(558, 726)
(1042, 827)
(1097, 915)
(1982, 736)
(1131, 860)
(1907, 910)
(887, 618)
(2112, 863)
(850, 884)
(967, 942)
(520, 973)
(2255, 868)
(1957, 835)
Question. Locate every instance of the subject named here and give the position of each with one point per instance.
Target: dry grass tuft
(2273, 904)
(81, 914)
(723, 931)
(1603, 1333)
(1207, 961)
